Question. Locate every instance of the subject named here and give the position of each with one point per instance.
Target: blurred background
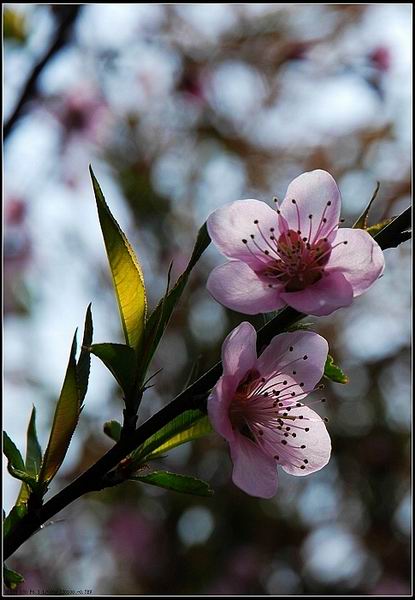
(181, 108)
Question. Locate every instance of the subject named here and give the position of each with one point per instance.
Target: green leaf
(33, 449)
(176, 483)
(120, 360)
(186, 427)
(300, 327)
(160, 317)
(377, 228)
(31, 481)
(113, 430)
(361, 222)
(333, 372)
(33, 457)
(126, 272)
(11, 578)
(12, 453)
(64, 421)
(15, 515)
(84, 361)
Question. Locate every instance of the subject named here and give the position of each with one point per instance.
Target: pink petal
(361, 260)
(285, 357)
(239, 351)
(253, 471)
(238, 287)
(316, 441)
(312, 191)
(230, 224)
(218, 404)
(322, 298)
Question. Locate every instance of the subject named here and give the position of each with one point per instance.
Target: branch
(68, 14)
(194, 396)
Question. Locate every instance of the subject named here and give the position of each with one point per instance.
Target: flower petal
(316, 441)
(361, 260)
(238, 287)
(253, 471)
(299, 357)
(230, 224)
(312, 191)
(218, 407)
(322, 298)
(239, 351)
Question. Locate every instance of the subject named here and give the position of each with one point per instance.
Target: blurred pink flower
(257, 406)
(381, 58)
(296, 255)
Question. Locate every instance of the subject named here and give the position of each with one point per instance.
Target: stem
(192, 397)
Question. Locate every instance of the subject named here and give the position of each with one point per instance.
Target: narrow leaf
(11, 578)
(23, 476)
(126, 272)
(33, 449)
(33, 457)
(377, 228)
(199, 429)
(176, 483)
(64, 421)
(113, 430)
(160, 317)
(188, 426)
(120, 360)
(361, 222)
(15, 515)
(84, 361)
(12, 453)
(333, 372)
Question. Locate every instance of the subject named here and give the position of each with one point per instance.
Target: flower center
(299, 263)
(293, 260)
(261, 411)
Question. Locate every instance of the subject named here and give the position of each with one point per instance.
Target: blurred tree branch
(194, 396)
(66, 15)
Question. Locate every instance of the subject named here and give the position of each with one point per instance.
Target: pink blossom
(296, 255)
(258, 407)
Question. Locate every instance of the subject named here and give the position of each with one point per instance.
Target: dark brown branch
(68, 15)
(192, 397)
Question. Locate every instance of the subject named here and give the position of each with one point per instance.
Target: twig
(68, 14)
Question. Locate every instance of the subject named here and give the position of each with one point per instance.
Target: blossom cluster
(298, 256)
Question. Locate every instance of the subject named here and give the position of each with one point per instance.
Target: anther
(244, 241)
(252, 236)
(307, 429)
(305, 461)
(284, 442)
(305, 357)
(256, 222)
(302, 467)
(303, 447)
(291, 348)
(329, 203)
(293, 201)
